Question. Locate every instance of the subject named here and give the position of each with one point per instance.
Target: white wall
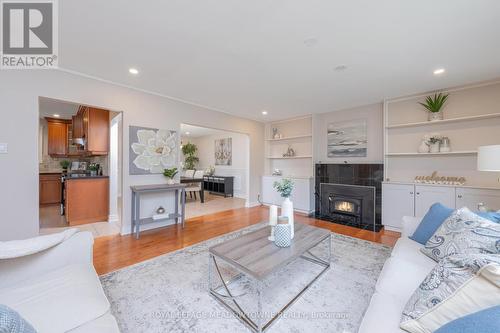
(372, 113)
(239, 167)
(19, 92)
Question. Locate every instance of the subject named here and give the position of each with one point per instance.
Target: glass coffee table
(254, 258)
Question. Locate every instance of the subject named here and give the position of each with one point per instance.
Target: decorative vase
(170, 181)
(435, 116)
(435, 147)
(423, 148)
(287, 210)
(445, 146)
(283, 235)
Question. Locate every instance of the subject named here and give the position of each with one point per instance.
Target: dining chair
(196, 187)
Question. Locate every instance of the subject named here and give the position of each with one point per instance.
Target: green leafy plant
(170, 173)
(93, 167)
(190, 159)
(435, 103)
(64, 164)
(284, 187)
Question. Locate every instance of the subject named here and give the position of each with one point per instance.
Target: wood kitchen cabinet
(95, 124)
(87, 200)
(50, 189)
(57, 135)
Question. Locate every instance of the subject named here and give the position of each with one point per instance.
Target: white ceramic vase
(170, 181)
(287, 210)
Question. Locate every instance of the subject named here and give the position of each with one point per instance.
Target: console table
(222, 185)
(137, 190)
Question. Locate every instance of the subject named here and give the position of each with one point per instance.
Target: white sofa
(401, 275)
(58, 290)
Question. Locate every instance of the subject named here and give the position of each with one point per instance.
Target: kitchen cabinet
(95, 123)
(57, 137)
(87, 200)
(398, 200)
(302, 195)
(407, 199)
(426, 196)
(77, 122)
(50, 189)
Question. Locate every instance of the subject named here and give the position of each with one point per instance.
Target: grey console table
(137, 221)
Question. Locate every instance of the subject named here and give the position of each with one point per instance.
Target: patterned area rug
(169, 293)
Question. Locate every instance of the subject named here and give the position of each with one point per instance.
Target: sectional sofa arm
(410, 224)
(75, 250)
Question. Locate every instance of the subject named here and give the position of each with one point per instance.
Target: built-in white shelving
(451, 153)
(289, 157)
(471, 119)
(295, 133)
(291, 138)
(446, 121)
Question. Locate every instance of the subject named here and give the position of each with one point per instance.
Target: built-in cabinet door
(398, 200)
(473, 198)
(57, 137)
(426, 196)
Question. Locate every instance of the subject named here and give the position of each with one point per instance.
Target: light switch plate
(4, 148)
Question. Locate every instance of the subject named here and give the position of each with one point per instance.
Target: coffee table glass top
(257, 256)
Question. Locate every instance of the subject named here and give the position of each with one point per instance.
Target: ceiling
(50, 107)
(196, 131)
(242, 57)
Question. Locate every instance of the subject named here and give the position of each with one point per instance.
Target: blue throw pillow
(12, 322)
(484, 321)
(436, 215)
(492, 216)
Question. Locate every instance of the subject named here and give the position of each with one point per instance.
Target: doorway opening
(215, 165)
(80, 154)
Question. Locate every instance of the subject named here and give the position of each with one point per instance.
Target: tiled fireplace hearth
(349, 194)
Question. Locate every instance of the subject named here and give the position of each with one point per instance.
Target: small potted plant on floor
(285, 188)
(170, 174)
(434, 105)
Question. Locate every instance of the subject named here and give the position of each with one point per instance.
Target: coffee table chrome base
(257, 325)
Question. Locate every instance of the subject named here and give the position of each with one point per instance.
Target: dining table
(189, 180)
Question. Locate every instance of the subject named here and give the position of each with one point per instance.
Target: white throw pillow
(459, 285)
(464, 233)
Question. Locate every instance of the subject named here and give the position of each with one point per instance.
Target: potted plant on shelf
(434, 105)
(64, 165)
(170, 174)
(434, 142)
(285, 188)
(190, 159)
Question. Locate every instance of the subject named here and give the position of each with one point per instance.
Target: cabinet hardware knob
(460, 196)
(411, 192)
(418, 193)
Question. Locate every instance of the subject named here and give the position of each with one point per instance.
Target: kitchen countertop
(48, 172)
(85, 177)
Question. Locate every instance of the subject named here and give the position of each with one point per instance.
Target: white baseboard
(252, 204)
(387, 227)
(114, 218)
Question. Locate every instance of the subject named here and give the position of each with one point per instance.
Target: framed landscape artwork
(347, 139)
(151, 150)
(223, 151)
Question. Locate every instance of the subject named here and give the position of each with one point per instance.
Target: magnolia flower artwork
(151, 150)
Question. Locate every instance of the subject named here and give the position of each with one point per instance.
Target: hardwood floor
(115, 252)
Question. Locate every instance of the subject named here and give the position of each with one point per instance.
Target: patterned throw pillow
(463, 233)
(12, 322)
(459, 285)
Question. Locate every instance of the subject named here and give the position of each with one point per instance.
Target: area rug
(169, 293)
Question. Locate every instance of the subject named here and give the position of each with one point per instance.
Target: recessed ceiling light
(187, 133)
(133, 71)
(310, 42)
(56, 115)
(264, 113)
(340, 68)
(439, 71)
